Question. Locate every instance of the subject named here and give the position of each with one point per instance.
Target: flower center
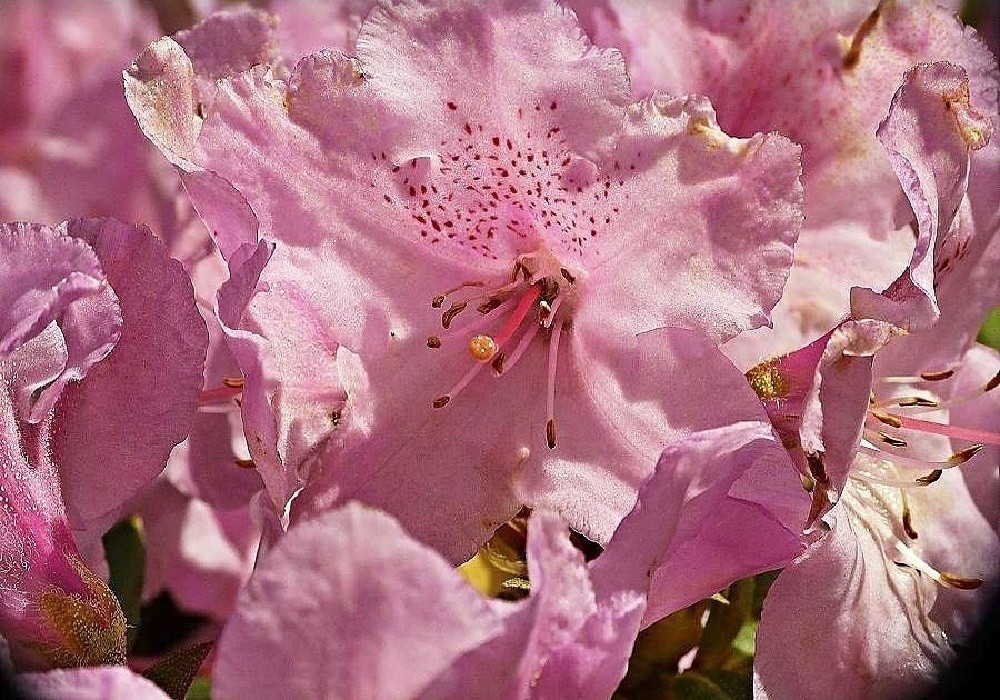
(536, 301)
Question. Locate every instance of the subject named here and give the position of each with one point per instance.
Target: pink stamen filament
(909, 462)
(481, 320)
(219, 399)
(550, 398)
(948, 430)
(524, 307)
(466, 378)
(521, 347)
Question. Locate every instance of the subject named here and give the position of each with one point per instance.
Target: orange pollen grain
(482, 348)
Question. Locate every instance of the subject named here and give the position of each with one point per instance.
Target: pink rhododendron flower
(825, 80)
(909, 559)
(61, 65)
(82, 370)
(530, 227)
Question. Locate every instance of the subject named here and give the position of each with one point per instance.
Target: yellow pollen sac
(482, 348)
(767, 381)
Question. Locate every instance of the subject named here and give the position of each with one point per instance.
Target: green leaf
(201, 689)
(989, 334)
(175, 671)
(125, 550)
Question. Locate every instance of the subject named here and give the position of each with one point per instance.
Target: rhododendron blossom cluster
(497, 348)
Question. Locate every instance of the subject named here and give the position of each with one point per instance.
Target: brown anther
(936, 376)
(245, 463)
(566, 275)
(960, 582)
(454, 310)
(963, 456)
(888, 419)
(233, 382)
(930, 478)
(441, 401)
(993, 383)
(498, 363)
(917, 401)
(489, 305)
(550, 433)
(437, 301)
(894, 441)
(908, 523)
(518, 266)
(433, 342)
(550, 289)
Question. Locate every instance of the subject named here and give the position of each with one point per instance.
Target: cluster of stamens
(886, 464)
(532, 301)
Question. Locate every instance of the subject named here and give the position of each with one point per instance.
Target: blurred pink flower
(822, 74)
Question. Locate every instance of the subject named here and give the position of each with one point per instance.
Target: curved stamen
(950, 580)
(952, 431)
(550, 398)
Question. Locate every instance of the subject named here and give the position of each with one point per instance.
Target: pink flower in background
(455, 283)
(822, 74)
(83, 371)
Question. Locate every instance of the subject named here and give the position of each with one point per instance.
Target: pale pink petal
(380, 618)
(839, 623)
(306, 26)
(562, 636)
(162, 76)
(722, 504)
(608, 447)
(148, 386)
(201, 555)
(928, 136)
(229, 42)
(43, 274)
(104, 682)
(828, 263)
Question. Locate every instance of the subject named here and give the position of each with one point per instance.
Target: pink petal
(148, 386)
(106, 682)
(838, 623)
(722, 504)
(162, 76)
(928, 136)
(313, 625)
(306, 26)
(982, 477)
(43, 274)
(202, 556)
